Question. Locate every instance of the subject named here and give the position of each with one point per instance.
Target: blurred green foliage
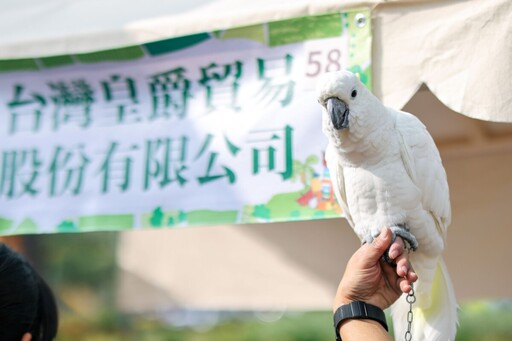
(77, 259)
(490, 324)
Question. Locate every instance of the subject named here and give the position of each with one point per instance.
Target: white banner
(222, 129)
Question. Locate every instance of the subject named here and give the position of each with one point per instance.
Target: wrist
(345, 295)
(341, 301)
(357, 330)
(347, 325)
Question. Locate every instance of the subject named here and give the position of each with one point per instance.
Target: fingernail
(404, 269)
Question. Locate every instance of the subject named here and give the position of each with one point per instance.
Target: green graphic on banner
(212, 128)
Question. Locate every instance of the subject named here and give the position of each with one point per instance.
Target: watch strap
(358, 310)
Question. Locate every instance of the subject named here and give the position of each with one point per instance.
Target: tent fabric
(460, 49)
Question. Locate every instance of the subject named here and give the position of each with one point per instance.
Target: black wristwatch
(358, 310)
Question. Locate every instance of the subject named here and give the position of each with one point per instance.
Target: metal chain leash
(410, 298)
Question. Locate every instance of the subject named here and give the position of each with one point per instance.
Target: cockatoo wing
(423, 163)
(338, 181)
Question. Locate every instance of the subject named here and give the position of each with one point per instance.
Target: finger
(403, 266)
(397, 248)
(392, 278)
(404, 285)
(379, 245)
(412, 276)
(405, 270)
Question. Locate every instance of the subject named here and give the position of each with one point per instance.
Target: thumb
(379, 244)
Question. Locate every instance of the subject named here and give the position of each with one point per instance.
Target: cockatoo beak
(338, 110)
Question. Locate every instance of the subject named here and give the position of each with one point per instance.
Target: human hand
(373, 281)
(399, 254)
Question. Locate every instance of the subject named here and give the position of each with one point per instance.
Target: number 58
(323, 61)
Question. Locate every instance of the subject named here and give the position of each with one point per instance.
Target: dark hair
(27, 304)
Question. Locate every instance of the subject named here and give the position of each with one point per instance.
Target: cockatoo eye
(354, 93)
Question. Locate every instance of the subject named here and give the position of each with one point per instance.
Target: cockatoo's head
(347, 105)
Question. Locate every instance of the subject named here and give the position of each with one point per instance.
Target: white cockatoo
(386, 171)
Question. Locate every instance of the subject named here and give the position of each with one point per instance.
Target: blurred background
(276, 281)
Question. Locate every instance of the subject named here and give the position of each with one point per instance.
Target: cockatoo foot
(402, 231)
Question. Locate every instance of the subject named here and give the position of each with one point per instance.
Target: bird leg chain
(410, 298)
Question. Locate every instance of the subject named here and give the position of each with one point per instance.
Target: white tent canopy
(460, 49)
